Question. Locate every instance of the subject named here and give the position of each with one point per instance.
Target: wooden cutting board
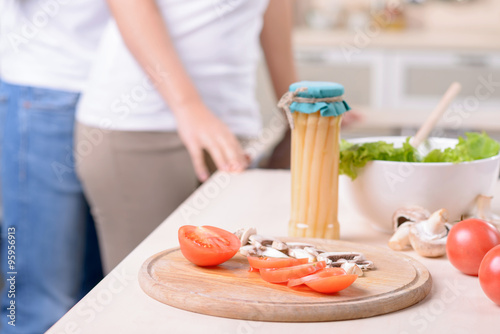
(230, 290)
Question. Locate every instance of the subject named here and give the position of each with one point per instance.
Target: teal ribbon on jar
(311, 96)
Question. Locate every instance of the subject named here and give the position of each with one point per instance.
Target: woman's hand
(200, 130)
(350, 118)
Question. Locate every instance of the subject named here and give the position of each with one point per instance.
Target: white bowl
(384, 186)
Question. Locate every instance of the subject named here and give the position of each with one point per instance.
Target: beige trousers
(133, 181)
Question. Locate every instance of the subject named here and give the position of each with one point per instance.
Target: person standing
(46, 51)
(173, 85)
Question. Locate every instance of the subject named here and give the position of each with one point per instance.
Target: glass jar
(316, 112)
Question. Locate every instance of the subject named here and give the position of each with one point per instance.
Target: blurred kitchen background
(396, 59)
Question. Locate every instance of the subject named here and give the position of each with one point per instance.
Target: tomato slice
(327, 272)
(207, 245)
(331, 284)
(258, 262)
(282, 275)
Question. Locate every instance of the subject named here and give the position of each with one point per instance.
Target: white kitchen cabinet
(396, 87)
(418, 79)
(409, 82)
(403, 79)
(359, 74)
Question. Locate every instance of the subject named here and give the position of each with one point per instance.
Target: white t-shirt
(50, 43)
(218, 43)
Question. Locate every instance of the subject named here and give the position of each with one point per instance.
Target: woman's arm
(147, 38)
(276, 41)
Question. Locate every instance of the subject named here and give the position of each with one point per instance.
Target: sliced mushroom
(292, 245)
(258, 245)
(244, 234)
(337, 259)
(313, 251)
(335, 256)
(352, 268)
(279, 245)
(260, 240)
(409, 213)
(401, 239)
(366, 265)
(482, 210)
(271, 252)
(428, 238)
(239, 233)
(253, 250)
(300, 253)
(249, 250)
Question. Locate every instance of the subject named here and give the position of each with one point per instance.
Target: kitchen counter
(260, 198)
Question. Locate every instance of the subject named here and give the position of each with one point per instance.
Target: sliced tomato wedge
(327, 272)
(259, 262)
(207, 245)
(331, 284)
(283, 275)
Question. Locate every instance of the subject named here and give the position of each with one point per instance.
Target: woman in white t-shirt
(173, 90)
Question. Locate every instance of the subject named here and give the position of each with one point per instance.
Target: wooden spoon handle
(436, 114)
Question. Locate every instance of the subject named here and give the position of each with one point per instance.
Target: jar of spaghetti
(314, 111)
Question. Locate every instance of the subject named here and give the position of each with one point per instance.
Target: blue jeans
(45, 213)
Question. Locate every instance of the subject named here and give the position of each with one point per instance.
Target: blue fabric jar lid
(319, 89)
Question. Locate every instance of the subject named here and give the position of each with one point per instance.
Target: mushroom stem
(352, 268)
(435, 225)
(401, 239)
(244, 234)
(428, 238)
(483, 210)
(484, 206)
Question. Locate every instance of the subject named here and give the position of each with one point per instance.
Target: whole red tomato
(489, 274)
(468, 242)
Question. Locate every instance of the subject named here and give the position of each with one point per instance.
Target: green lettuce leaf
(474, 147)
(355, 156)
